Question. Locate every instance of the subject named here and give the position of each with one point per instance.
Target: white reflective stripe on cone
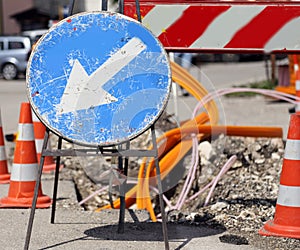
(297, 83)
(2, 153)
(292, 150)
(24, 172)
(25, 132)
(39, 145)
(34, 117)
(289, 196)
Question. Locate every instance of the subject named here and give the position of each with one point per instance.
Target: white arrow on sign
(83, 91)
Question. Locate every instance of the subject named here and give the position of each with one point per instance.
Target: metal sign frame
(123, 153)
(100, 149)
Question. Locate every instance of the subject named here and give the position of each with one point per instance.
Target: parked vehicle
(34, 35)
(14, 55)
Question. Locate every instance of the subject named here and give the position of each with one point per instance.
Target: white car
(14, 55)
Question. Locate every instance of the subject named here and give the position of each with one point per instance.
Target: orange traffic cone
(39, 133)
(4, 175)
(286, 221)
(24, 168)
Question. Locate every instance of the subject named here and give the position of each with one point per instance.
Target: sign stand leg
(123, 168)
(56, 181)
(160, 190)
(36, 189)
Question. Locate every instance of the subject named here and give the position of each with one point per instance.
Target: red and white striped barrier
(225, 26)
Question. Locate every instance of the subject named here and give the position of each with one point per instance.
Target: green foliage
(255, 85)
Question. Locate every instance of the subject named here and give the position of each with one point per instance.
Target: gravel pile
(242, 201)
(245, 197)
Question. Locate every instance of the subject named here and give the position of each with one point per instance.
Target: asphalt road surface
(12, 94)
(226, 75)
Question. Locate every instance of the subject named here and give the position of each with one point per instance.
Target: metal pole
(159, 185)
(122, 195)
(36, 190)
(71, 7)
(138, 10)
(104, 5)
(56, 182)
(121, 6)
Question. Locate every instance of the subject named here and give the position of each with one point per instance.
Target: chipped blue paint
(98, 78)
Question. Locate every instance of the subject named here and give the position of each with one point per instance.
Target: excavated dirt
(242, 201)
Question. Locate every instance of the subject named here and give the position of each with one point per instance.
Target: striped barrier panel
(211, 26)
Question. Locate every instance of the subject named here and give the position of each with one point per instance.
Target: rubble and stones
(243, 200)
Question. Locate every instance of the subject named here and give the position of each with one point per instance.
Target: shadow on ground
(149, 231)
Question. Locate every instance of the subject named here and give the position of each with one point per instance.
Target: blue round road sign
(98, 78)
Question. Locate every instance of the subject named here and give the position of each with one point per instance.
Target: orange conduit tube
(188, 82)
(168, 143)
(162, 149)
(180, 151)
(180, 75)
(183, 78)
(248, 131)
(168, 162)
(143, 195)
(194, 87)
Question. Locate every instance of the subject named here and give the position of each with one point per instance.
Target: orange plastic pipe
(132, 193)
(143, 185)
(174, 148)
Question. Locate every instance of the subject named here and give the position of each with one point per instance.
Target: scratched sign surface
(98, 78)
